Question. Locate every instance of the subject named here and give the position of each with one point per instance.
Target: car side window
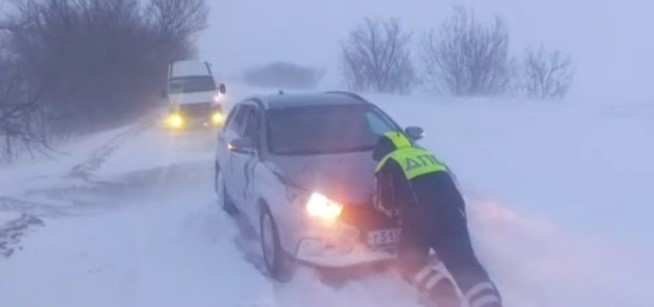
(251, 129)
(377, 125)
(229, 123)
(239, 120)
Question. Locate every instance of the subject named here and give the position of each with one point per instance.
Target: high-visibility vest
(415, 162)
(398, 139)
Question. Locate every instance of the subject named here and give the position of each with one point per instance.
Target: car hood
(347, 178)
(196, 97)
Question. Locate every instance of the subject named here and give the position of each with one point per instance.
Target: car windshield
(325, 129)
(191, 84)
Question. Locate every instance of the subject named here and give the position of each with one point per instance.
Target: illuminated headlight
(218, 97)
(218, 119)
(175, 121)
(319, 206)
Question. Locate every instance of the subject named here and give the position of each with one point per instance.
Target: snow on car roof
(299, 100)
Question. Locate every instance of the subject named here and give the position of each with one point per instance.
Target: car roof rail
(348, 94)
(259, 102)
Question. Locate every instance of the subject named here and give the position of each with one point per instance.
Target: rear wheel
(279, 264)
(223, 197)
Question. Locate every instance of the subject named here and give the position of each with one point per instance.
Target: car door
(246, 161)
(226, 157)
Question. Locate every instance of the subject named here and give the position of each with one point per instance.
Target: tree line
(462, 57)
(67, 66)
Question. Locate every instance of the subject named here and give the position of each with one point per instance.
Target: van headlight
(218, 119)
(218, 97)
(175, 121)
(320, 207)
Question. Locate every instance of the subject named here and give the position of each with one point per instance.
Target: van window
(191, 84)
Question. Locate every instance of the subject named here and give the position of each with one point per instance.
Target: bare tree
(108, 57)
(22, 122)
(178, 19)
(546, 74)
(466, 57)
(376, 57)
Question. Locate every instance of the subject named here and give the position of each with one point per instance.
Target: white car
(299, 168)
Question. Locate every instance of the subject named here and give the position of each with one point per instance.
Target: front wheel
(279, 264)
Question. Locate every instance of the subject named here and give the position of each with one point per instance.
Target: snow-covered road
(157, 238)
(130, 218)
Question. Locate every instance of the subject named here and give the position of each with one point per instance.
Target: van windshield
(191, 84)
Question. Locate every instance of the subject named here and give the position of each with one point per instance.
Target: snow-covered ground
(557, 195)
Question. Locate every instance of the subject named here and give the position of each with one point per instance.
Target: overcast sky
(612, 41)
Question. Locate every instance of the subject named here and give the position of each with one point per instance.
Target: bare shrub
(377, 57)
(284, 75)
(546, 74)
(467, 57)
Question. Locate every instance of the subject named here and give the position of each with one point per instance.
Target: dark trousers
(438, 222)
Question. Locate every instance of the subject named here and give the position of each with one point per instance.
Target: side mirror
(415, 133)
(222, 88)
(242, 145)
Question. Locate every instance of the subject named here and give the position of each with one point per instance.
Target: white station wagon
(299, 168)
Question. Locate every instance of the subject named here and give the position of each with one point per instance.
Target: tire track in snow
(9, 204)
(12, 232)
(86, 169)
(62, 199)
(73, 200)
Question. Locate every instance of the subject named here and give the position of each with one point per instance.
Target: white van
(193, 97)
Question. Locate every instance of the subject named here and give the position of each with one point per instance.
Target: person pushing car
(418, 189)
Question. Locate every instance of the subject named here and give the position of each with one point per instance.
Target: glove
(378, 205)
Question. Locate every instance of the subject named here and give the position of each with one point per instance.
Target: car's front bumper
(338, 246)
(316, 252)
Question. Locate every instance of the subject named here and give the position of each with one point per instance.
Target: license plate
(384, 237)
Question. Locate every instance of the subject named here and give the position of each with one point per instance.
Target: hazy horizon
(607, 39)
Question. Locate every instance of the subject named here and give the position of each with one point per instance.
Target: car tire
(223, 197)
(279, 265)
